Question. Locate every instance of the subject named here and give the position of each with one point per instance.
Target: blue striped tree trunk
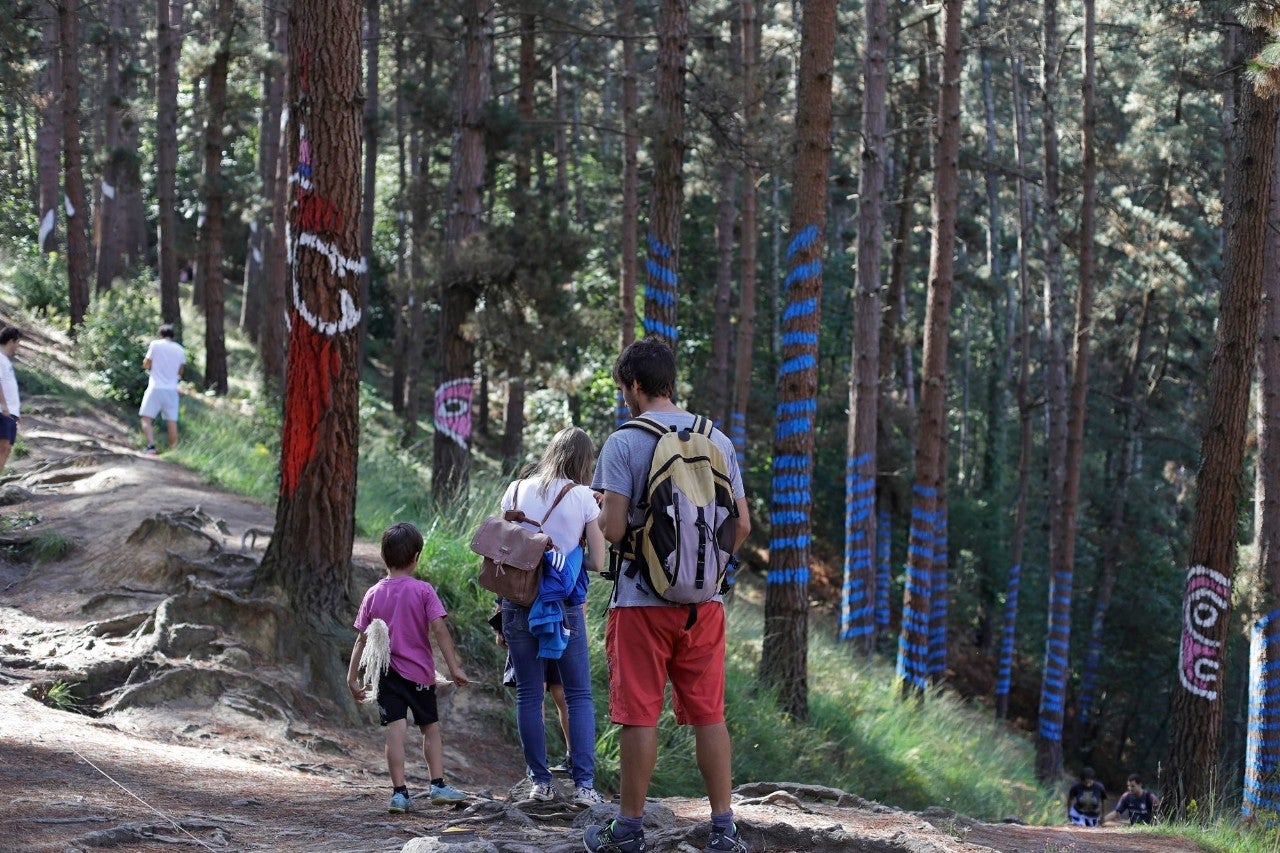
(884, 560)
(662, 264)
(784, 663)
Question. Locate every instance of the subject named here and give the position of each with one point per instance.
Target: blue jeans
(575, 674)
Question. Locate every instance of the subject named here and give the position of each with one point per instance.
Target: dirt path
(201, 741)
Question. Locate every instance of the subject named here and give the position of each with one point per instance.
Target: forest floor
(185, 732)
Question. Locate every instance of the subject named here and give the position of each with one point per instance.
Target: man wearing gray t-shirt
(649, 640)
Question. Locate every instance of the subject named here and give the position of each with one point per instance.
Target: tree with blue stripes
(913, 641)
(662, 264)
(784, 662)
(857, 601)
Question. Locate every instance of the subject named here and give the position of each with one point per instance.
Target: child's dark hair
(652, 364)
(10, 333)
(1135, 777)
(166, 331)
(401, 544)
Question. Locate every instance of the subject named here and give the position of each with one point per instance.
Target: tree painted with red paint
(309, 559)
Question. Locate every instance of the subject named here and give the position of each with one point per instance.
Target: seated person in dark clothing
(1084, 801)
(1139, 804)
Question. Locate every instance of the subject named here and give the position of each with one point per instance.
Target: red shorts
(647, 646)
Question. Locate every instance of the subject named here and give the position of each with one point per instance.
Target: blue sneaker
(399, 803)
(725, 842)
(600, 839)
(443, 795)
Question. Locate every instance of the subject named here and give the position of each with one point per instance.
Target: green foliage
(61, 695)
(114, 339)
(39, 280)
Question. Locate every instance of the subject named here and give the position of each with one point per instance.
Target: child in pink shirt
(414, 617)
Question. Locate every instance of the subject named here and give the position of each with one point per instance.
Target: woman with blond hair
(554, 627)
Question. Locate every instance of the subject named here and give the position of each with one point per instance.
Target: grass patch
(61, 695)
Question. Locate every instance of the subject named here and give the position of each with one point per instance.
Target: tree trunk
(49, 131)
(1261, 800)
(913, 643)
(784, 662)
(717, 379)
(372, 43)
(134, 230)
(452, 458)
(403, 291)
(72, 165)
(309, 556)
(106, 236)
(857, 616)
(255, 262)
(667, 197)
(745, 346)
(1056, 659)
(513, 419)
(1004, 669)
(560, 138)
(215, 376)
(630, 189)
(168, 49)
(278, 271)
(1130, 419)
(1196, 724)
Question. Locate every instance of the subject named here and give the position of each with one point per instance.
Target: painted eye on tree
(453, 410)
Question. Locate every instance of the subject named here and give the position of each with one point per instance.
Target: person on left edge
(10, 407)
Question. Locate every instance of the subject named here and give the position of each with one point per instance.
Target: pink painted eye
(453, 410)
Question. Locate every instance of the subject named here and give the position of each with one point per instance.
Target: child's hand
(459, 677)
(357, 691)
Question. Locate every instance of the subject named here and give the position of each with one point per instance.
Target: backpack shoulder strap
(648, 425)
(567, 488)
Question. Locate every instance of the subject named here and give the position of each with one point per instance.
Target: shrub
(114, 339)
(40, 282)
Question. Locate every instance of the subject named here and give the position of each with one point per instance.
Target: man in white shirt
(9, 403)
(165, 361)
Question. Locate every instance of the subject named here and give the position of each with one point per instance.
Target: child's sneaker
(587, 797)
(443, 795)
(600, 839)
(399, 803)
(151, 450)
(561, 766)
(725, 842)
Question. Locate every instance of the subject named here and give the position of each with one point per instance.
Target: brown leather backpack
(511, 552)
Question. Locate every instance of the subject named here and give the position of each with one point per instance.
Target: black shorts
(8, 428)
(398, 695)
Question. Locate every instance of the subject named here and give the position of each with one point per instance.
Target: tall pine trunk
(745, 344)
(784, 661)
(73, 163)
(857, 616)
(1053, 689)
(107, 225)
(1261, 800)
(215, 377)
(1008, 634)
(1196, 722)
(372, 122)
(49, 131)
(913, 643)
(630, 189)
(662, 268)
(452, 456)
(309, 556)
(278, 273)
(168, 49)
(263, 222)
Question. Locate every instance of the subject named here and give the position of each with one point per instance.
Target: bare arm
(444, 641)
(594, 558)
(353, 670)
(613, 516)
(146, 364)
